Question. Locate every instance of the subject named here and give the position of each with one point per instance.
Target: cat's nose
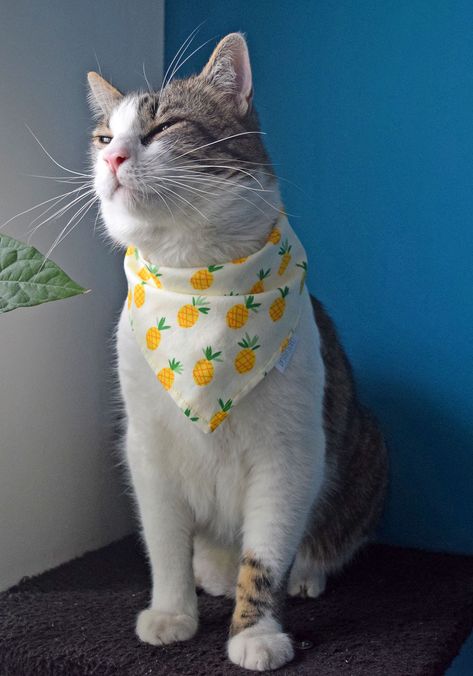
(115, 158)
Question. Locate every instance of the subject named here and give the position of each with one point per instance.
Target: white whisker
(60, 237)
(196, 191)
(73, 180)
(206, 178)
(70, 171)
(58, 213)
(150, 89)
(178, 66)
(176, 204)
(258, 164)
(220, 140)
(87, 208)
(175, 59)
(180, 183)
(162, 198)
(96, 219)
(98, 63)
(223, 166)
(37, 206)
(183, 199)
(53, 206)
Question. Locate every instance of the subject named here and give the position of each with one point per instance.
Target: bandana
(211, 334)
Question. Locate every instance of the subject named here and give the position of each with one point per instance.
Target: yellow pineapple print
(153, 335)
(284, 251)
(204, 278)
(218, 417)
(203, 371)
(245, 359)
(130, 251)
(258, 287)
(303, 266)
(144, 274)
(278, 306)
(274, 236)
(189, 314)
(166, 375)
(237, 316)
(151, 272)
(139, 295)
(129, 298)
(284, 344)
(239, 261)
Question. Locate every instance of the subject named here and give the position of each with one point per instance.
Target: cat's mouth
(123, 194)
(113, 191)
(119, 188)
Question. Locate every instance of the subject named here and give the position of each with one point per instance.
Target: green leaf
(28, 278)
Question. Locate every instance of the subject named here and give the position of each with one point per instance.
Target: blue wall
(368, 108)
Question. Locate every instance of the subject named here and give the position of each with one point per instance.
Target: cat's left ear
(103, 97)
(229, 70)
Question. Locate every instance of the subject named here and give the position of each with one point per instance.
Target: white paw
(157, 628)
(260, 651)
(307, 586)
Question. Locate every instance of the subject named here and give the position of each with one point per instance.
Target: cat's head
(184, 163)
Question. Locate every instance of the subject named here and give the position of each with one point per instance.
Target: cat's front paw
(157, 628)
(259, 651)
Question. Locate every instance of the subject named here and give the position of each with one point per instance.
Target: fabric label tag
(284, 360)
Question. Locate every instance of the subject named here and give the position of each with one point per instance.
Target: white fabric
(211, 334)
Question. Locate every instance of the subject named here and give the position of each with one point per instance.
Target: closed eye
(145, 140)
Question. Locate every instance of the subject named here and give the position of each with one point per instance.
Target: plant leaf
(28, 278)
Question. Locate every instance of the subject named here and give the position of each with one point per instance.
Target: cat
(291, 486)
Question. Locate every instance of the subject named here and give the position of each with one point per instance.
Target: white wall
(60, 493)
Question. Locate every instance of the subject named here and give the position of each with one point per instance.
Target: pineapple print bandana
(211, 334)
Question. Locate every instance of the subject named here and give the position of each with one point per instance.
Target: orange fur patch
(254, 595)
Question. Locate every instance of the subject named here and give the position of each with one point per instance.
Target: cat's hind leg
(307, 579)
(215, 567)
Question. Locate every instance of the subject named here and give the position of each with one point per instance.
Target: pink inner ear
(244, 83)
(243, 73)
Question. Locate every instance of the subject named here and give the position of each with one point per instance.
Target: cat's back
(356, 458)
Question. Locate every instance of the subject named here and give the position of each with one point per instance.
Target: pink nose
(116, 158)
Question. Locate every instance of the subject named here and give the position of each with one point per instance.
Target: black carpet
(393, 612)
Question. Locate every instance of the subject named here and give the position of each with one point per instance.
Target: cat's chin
(121, 201)
(126, 197)
(126, 219)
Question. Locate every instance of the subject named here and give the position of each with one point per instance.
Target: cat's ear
(229, 69)
(103, 96)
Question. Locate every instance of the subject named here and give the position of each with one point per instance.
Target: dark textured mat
(393, 612)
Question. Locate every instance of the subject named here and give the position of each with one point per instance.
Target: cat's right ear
(103, 97)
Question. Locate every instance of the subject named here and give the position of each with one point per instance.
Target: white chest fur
(279, 422)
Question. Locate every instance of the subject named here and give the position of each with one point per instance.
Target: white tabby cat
(288, 488)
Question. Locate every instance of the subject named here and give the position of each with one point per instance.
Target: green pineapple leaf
(225, 405)
(162, 324)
